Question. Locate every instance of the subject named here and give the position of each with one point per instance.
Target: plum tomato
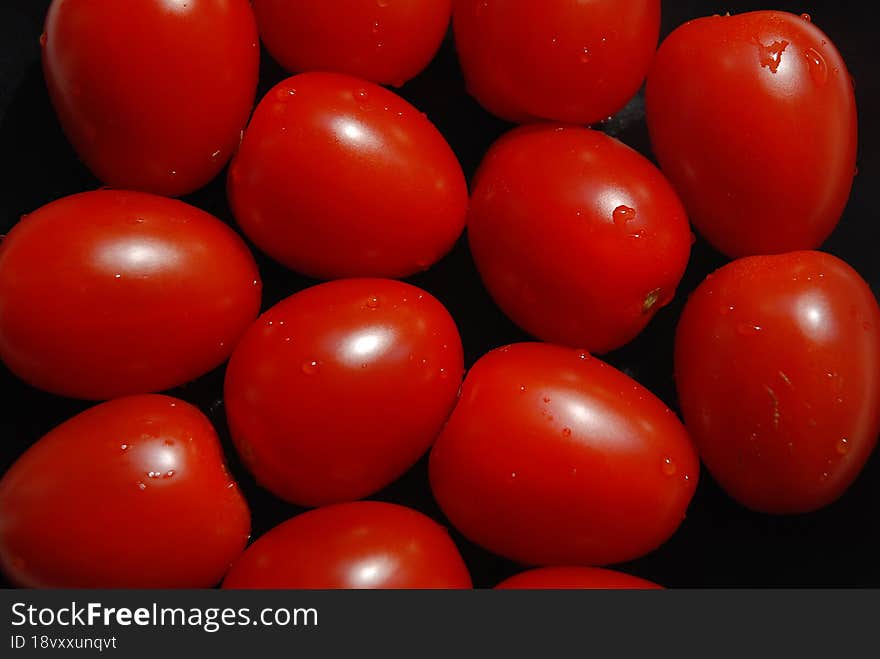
(132, 493)
(579, 239)
(553, 457)
(339, 389)
(577, 62)
(152, 94)
(338, 177)
(777, 364)
(360, 545)
(575, 578)
(109, 293)
(753, 119)
(386, 42)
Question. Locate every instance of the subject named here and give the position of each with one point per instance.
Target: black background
(720, 543)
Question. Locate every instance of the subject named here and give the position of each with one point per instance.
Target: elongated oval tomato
(360, 545)
(777, 363)
(337, 390)
(152, 94)
(129, 494)
(574, 578)
(552, 457)
(753, 119)
(109, 293)
(578, 62)
(579, 239)
(387, 42)
(338, 177)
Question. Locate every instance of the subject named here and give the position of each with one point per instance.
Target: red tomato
(129, 494)
(338, 177)
(579, 239)
(552, 457)
(777, 363)
(109, 293)
(753, 119)
(387, 41)
(575, 578)
(578, 62)
(153, 94)
(340, 388)
(365, 544)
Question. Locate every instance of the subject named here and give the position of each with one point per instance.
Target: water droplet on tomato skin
(807, 17)
(748, 329)
(842, 446)
(310, 367)
(372, 302)
(668, 467)
(623, 214)
(817, 65)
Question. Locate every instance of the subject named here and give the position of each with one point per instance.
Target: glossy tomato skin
(777, 363)
(554, 59)
(110, 293)
(386, 42)
(771, 179)
(132, 493)
(579, 239)
(338, 177)
(360, 545)
(152, 94)
(337, 390)
(552, 457)
(575, 578)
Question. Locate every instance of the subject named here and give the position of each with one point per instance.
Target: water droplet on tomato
(373, 302)
(817, 65)
(843, 446)
(807, 17)
(310, 367)
(585, 55)
(43, 39)
(566, 432)
(668, 467)
(622, 215)
(747, 329)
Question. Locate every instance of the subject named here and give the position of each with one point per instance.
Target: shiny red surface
(363, 545)
(336, 391)
(338, 177)
(109, 293)
(387, 42)
(579, 239)
(753, 119)
(777, 363)
(152, 94)
(552, 457)
(578, 62)
(128, 494)
(575, 578)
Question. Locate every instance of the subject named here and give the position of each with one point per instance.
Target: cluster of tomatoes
(542, 453)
